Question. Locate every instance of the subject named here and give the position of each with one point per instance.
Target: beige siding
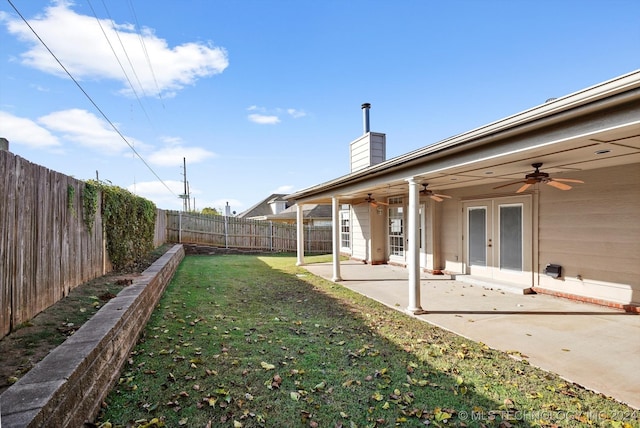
(378, 243)
(449, 234)
(361, 233)
(593, 231)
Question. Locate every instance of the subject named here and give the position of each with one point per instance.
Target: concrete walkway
(593, 346)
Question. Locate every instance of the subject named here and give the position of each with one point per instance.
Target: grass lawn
(248, 341)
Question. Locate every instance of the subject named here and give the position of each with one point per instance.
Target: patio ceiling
(593, 135)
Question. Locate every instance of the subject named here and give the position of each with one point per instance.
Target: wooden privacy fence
(232, 232)
(160, 232)
(45, 247)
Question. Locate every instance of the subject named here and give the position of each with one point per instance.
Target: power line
(90, 99)
(118, 59)
(146, 52)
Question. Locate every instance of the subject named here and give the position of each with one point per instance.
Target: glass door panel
(510, 241)
(477, 236)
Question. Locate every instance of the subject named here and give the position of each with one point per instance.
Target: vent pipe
(365, 116)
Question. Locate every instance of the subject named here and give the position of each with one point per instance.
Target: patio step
(495, 284)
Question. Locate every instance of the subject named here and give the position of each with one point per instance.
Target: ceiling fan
(370, 200)
(434, 196)
(541, 177)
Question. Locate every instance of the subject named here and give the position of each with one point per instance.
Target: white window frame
(345, 235)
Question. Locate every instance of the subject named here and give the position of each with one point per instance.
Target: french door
(497, 238)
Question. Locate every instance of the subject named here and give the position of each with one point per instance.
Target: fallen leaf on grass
(267, 366)
(377, 396)
(321, 386)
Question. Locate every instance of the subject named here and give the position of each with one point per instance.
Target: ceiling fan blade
(442, 196)
(568, 180)
(436, 198)
(509, 184)
(373, 203)
(557, 185)
(523, 188)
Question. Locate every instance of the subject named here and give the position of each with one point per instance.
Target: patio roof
(593, 128)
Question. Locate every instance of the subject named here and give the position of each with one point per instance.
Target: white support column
(300, 230)
(413, 248)
(335, 224)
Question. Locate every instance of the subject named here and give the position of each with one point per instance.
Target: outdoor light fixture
(379, 210)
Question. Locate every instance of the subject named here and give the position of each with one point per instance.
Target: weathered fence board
(233, 232)
(45, 248)
(160, 231)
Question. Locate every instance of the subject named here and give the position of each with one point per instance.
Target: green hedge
(128, 221)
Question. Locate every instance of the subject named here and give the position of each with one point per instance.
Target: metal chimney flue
(365, 116)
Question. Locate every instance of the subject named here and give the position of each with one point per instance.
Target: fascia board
(557, 110)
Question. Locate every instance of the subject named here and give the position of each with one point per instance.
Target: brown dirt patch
(29, 343)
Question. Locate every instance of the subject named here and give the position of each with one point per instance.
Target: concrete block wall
(68, 386)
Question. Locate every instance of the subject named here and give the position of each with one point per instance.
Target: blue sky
(263, 96)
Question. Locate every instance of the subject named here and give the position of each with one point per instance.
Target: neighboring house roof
(309, 212)
(564, 133)
(263, 208)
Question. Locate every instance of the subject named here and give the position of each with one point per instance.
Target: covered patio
(552, 187)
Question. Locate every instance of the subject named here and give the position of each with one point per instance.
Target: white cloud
(26, 132)
(173, 154)
(88, 130)
(158, 193)
(173, 67)
(296, 113)
(264, 116)
(264, 119)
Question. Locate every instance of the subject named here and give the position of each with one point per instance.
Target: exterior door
(479, 241)
(498, 239)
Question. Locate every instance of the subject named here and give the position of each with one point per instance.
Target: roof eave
(529, 120)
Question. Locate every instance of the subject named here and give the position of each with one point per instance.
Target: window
(396, 231)
(345, 228)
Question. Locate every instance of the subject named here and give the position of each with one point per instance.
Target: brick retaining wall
(67, 387)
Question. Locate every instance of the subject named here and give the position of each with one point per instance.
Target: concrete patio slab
(594, 346)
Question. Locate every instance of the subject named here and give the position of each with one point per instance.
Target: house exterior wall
(361, 232)
(450, 231)
(593, 232)
(378, 243)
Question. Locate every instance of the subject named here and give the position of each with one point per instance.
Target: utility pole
(185, 195)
